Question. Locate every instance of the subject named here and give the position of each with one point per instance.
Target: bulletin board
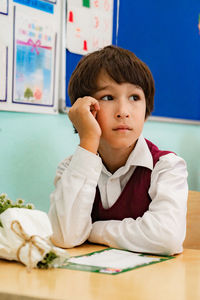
(166, 36)
(30, 46)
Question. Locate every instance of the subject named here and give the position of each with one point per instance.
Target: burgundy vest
(134, 200)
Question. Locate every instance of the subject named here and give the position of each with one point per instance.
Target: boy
(118, 189)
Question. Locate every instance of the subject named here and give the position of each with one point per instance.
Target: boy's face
(121, 115)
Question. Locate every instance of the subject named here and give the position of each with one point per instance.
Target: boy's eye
(134, 97)
(107, 98)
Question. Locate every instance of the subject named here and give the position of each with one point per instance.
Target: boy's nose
(122, 115)
(122, 112)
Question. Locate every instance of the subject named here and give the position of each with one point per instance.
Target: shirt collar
(140, 156)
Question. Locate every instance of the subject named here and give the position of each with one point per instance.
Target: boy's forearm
(90, 144)
(72, 200)
(70, 212)
(138, 236)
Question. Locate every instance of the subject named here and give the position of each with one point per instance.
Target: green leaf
(47, 260)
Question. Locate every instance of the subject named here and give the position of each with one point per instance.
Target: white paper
(88, 28)
(114, 258)
(3, 68)
(3, 6)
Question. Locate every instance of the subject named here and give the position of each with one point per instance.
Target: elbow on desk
(68, 239)
(63, 238)
(171, 248)
(62, 243)
(167, 236)
(172, 244)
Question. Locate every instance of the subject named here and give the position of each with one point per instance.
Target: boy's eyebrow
(100, 88)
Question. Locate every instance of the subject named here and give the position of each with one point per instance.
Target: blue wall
(31, 146)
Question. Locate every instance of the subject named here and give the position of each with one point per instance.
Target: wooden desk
(176, 279)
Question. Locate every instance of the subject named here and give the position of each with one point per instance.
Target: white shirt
(161, 230)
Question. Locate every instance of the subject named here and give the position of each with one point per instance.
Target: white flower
(20, 202)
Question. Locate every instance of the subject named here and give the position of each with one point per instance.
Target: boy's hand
(83, 116)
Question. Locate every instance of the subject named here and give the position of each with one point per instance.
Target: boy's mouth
(122, 127)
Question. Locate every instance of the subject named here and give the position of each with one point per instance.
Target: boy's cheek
(99, 119)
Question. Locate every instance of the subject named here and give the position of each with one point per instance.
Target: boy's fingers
(95, 107)
(89, 102)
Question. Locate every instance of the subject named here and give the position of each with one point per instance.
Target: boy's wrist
(91, 145)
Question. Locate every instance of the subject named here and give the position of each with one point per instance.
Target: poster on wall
(4, 7)
(38, 4)
(34, 48)
(4, 42)
(3, 72)
(30, 56)
(89, 25)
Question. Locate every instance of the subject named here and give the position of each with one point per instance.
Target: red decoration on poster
(71, 17)
(85, 45)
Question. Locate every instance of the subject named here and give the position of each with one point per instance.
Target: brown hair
(120, 64)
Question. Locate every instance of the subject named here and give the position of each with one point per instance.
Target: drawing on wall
(89, 25)
(38, 4)
(4, 72)
(4, 7)
(34, 61)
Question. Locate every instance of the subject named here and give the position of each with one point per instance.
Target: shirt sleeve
(72, 200)
(161, 230)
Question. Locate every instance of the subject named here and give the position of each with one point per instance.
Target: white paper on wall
(4, 6)
(3, 72)
(89, 25)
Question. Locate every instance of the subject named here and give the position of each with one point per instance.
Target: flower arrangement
(6, 203)
(25, 236)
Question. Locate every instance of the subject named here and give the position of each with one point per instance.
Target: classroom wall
(31, 146)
